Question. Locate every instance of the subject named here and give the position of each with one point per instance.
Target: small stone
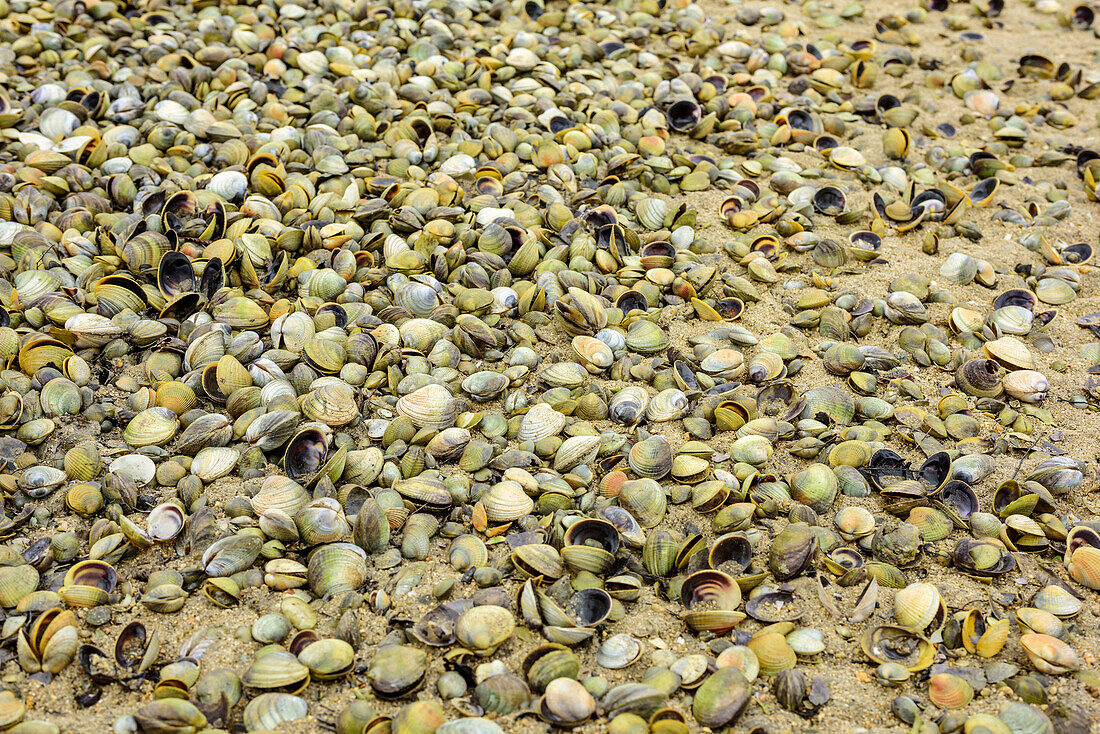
(98, 616)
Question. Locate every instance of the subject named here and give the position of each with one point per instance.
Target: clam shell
(483, 629)
(645, 500)
(336, 567)
(541, 422)
(165, 522)
(618, 651)
(279, 493)
(16, 582)
(920, 607)
(1049, 654)
(135, 467)
(212, 463)
(566, 703)
(651, 457)
(506, 501)
(431, 406)
(328, 659)
(151, 427)
(628, 405)
(268, 711)
(772, 652)
(949, 691)
(576, 450)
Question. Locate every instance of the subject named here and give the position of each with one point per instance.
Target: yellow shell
(1049, 654)
(920, 607)
(231, 375)
(949, 691)
(1084, 566)
(82, 462)
(772, 652)
(993, 640)
(178, 397)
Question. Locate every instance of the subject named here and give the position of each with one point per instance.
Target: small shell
(135, 467)
(483, 629)
(541, 422)
(920, 607)
(1049, 654)
(949, 691)
(506, 501)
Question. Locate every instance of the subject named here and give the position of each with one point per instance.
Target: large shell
(1049, 654)
(277, 670)
(576, 450)
(980, 378)
(710, 599)
(1010, 352)
(667, 405)
(651, 457)
(645, 500)
(483, 629)
(920, 607)
(431, 406)
(628, 405)
(336, 567)
(541, 422)
(506, 501)
(279, 493)
(887, 644)
(151, 427)
(214, 462)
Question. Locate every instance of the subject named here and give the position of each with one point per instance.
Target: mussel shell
(982, 557)
(889, 644)
(306, 454)
(175, 274)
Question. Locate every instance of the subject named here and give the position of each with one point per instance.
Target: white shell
(506, 502)
(541, 422)
(55, 123)
(230, 185)
(214, 462)
(136, 467)
(806, 641)
(431, 406)
(168, 110)
(164, 522)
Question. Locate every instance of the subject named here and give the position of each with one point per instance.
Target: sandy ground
(858, 703)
